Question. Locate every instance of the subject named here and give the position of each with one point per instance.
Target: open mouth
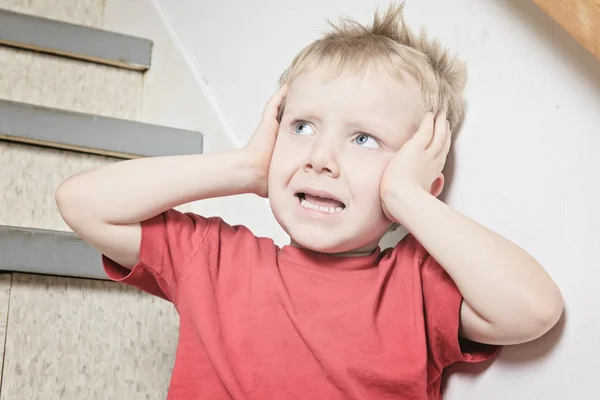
(320, 203)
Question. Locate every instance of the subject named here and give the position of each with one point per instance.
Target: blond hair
(388, 41)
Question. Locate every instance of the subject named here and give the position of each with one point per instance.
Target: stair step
(40, 251)
(48, 80)
(74, 41)
(93, 134)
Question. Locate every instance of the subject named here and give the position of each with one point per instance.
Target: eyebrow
(304, 114)
(374, 126)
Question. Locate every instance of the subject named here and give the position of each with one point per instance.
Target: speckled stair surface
(63, 337)
(50, 106)
(74, 41)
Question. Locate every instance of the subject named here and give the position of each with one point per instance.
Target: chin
(314, 243)
(331, 242)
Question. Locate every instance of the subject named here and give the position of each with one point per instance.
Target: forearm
(135, 190)
(501, 282)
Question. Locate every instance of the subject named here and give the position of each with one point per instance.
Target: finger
(422, 137)
(271, 110)
(443, 153)
(439, 133)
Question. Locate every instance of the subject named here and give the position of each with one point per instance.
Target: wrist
(254, 172)
(400, 203)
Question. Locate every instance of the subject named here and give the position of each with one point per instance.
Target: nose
(322, 159)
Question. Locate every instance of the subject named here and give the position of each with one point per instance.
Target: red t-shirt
(260, 322)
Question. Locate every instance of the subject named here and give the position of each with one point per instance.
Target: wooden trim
(74, 41)
(87, 133)
(48, 252)
(580, 18)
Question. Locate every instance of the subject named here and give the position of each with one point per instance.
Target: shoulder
(407, 251)
(410, 255)
(191, 224)
(212, 236)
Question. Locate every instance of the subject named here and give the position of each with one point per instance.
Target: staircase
(76, 95)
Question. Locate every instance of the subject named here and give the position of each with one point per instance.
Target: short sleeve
(442, 302)
(169, 241)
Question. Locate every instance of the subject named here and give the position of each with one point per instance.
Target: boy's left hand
(419, 162)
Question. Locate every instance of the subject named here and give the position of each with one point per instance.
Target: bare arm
(106, 205)
(509, 297)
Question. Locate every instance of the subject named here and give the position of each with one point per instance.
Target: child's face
(335, 139)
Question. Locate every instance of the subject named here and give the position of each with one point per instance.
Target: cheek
(364, 177)
(285, 161)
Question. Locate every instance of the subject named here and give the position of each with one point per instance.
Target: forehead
(373, 95)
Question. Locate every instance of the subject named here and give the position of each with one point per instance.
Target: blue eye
(367, 141)
(302, 128)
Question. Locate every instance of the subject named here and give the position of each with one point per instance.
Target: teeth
(330, 210)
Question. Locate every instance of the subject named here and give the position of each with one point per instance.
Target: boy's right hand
(259, 148)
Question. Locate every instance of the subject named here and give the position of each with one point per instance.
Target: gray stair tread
(81, 42)
(40, 251)
(26, 123)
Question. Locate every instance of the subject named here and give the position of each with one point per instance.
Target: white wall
(526, 163)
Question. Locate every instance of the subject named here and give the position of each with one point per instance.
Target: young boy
(348, 147)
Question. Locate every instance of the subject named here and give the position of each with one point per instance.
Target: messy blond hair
(389, 42)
